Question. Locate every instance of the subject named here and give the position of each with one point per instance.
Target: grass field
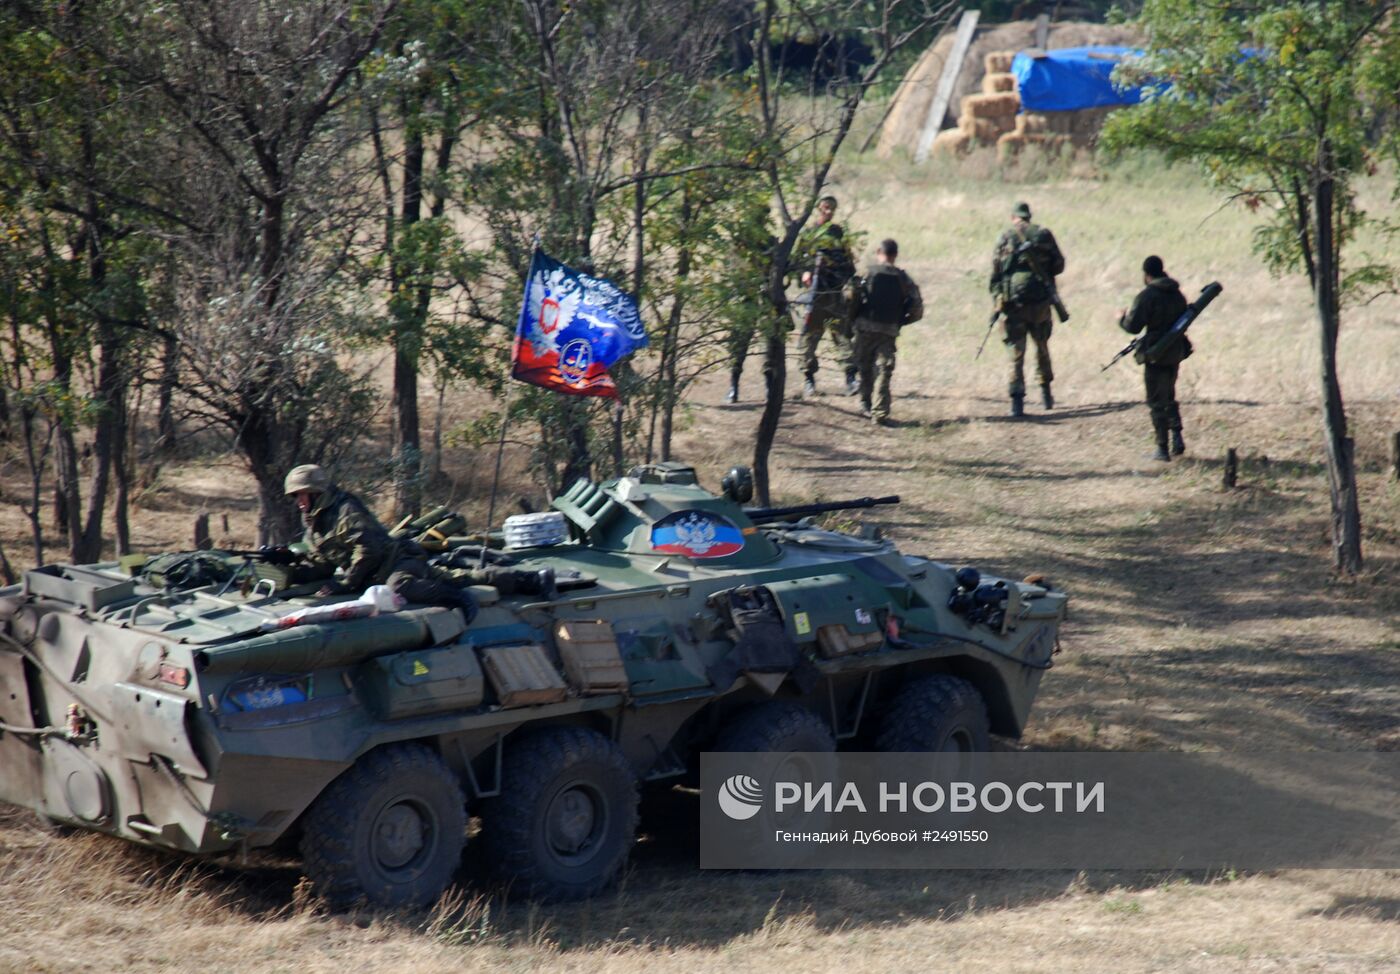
(1200, 618)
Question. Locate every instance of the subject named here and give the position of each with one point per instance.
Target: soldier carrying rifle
(1156, 309)
(1024, 267)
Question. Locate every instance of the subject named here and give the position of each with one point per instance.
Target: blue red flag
(573, 326)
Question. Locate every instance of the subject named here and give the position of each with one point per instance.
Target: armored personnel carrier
(205, 709)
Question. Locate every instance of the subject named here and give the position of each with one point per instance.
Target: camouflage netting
(983, 108)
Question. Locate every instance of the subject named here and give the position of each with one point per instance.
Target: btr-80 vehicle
(181, 708)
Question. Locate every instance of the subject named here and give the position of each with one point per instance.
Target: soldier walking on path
(1024, 267)
(829, 265)
(1156, 309)
(885, 300)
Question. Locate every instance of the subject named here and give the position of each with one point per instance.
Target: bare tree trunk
(775, 387)
(121, 500)
(108, 435)
(408, 337)
(670, 344)
(1341, 463)
(36, 458)
(166, 432)
(579, 464)
(67, 496)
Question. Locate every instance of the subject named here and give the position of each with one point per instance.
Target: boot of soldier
(1161, 453)
(852, 382)
(733, 394)
(1018, 406)
(1045, 396)
(1178, 444)
(809, 388)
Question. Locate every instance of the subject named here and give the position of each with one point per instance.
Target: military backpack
(886, 296)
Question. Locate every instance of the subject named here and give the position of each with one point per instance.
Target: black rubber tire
(388, 831)
(935, 713)
(776, 726)
(566, 818)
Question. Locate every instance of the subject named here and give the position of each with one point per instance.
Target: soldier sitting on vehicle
(341, 533)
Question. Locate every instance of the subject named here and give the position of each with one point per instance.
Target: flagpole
(496, 478)
(501, 444)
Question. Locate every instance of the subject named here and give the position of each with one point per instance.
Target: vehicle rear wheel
(389, 830)
(566, 818)
(935, 713)
(776, 726)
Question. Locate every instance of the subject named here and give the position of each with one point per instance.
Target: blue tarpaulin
(1072, 78)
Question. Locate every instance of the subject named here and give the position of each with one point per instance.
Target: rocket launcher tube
(312, 647)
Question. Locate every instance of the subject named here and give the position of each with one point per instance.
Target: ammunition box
(422, 682)
(837, 640)
(592, 662)
(523, 675)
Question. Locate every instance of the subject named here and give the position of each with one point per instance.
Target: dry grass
(1200, 619)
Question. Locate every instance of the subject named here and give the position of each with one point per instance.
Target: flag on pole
(573, 326)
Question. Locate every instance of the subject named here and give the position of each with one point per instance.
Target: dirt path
(1200, 617)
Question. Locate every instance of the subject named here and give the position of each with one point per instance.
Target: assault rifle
(1183, 322)
(271, 554)
(762, 514)
(1060, 310)
(1001, 310)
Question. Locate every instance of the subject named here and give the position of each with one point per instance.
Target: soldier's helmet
(1023, 210)
(308, 476)
(737, 485)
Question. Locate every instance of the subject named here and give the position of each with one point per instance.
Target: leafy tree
(584, 147)
(422, 96)
(76, 296)
(263, 192)
(1281, 102)
(801, 120)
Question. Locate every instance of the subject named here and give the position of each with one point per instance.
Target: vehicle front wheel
(566, 818)
(935, 713)
(389, 830)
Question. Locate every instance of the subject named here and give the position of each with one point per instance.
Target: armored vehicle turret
(200, 703)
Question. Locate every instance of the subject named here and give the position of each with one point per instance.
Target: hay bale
(1009, 146)
(990, 106)
(951, 142)
(983, 130)
(1031, 122)
(998, 62)
(905, 122)
(993, 84)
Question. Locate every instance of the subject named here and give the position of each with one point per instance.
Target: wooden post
(201, 533)
(1042, 31)
(1395, 455)
(967, 26)
(1231, 467)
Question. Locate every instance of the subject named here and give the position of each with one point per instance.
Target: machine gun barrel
(272, 554)
(759, 514)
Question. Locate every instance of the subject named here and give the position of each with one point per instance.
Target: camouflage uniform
(875, 346)
(1027, 313)
(1156, 309)
(823, 250)
(340, 532)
